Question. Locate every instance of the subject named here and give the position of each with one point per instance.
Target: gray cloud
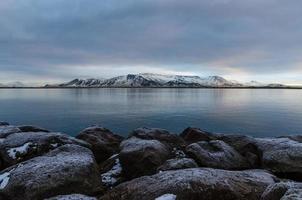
(62, 39)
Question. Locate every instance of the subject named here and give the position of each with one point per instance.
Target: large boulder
(282, 156)
(103, 142)
(246, 146)
(195, 184)
(18, 147)
(65, 170)
(162, 135)
(216, 154)
(72, 197)
(140, 157)
(192, 135)
(283, 190)
(178, 163)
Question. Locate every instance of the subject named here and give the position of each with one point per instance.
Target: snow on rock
(64, 170)
(7, 130)
(72, 197)
(206, 183)
(4, 178)
(166, 197)
(110, 178)
(13, 152)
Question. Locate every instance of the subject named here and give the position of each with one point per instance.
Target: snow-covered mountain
(159, 80)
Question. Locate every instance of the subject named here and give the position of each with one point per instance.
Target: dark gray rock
(282, 156)
(195, 184)
(216, 154)
(162, 135)
(103, 142)
(30, 128)
(72, 197)
(18, 147)
(246, 146)
(283, 190)
(66, 170)
(140, 157)
(178, 163)
(192, 135)
(3, 123)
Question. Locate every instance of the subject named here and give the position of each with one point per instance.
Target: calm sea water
(256, 112)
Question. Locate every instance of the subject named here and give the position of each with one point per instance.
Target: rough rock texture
(216, 154)
(292, 194)
(178, 163)
(282, 190)
(3, 123)
(142, 157)
(29, 128)
(162, 135)
(297, 138)
(282, 156)
(246, 146)
(72, 197)
(195, 184)
(192, 135)
(7, 130)
(18, 147)
(103, 142)
(65, 170)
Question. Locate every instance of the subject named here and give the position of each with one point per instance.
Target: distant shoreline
(293, 87)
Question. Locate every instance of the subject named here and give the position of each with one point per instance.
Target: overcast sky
(57, 40)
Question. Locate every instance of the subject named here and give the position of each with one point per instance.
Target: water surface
(256, 112)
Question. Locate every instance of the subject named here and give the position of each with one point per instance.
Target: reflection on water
(257, 112)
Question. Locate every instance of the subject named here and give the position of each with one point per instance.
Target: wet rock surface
(103, 142)
(150, 164)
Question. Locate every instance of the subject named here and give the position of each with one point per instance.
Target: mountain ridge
(160, 80)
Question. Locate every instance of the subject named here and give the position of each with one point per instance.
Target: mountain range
(159, 80)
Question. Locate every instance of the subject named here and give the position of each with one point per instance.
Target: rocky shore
(150, 164)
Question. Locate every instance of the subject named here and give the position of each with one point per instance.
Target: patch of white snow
(166, 197)
(21, 150)
(109, 178)
(4, 178)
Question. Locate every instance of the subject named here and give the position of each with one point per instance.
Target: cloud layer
(241, 39)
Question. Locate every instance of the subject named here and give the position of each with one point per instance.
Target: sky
(50, 41)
